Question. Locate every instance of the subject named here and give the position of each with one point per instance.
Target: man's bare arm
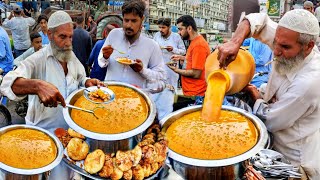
(228, 51)
(192, 73)
(48, 94)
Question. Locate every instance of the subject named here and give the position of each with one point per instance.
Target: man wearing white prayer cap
(290, 107)
(48, 76)
(308, 5)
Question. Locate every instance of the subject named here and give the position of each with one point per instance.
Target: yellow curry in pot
(27, 149)
(232, 135)
(125, 113)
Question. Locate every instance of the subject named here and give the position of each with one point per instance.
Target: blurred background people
(43, 21)
(170, 43)
(36, 45)
(97, 71)
(82, 43)
(19, 25)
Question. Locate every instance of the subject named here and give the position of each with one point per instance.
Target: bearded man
(192, 77)
(291, 103)
(48, 76)
(148, 69)
(170, 43)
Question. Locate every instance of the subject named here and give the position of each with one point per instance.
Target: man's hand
(176, 57)
(11, 15)
(227, 53)
(173, 67)
(169, 48)
(107, 51)
(49, 95)
(138, 66)
(94, 82)
(252, 92)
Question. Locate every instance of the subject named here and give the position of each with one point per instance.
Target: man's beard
(185, 37)
(62, 54)
(163, 34)
(284, 66)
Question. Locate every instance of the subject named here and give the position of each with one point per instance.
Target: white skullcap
(308, 4)
(58, 18)
(301, 21)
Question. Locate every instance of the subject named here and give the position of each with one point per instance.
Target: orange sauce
(27, 149)
(126, 112)
(233, 135)
(217, 86)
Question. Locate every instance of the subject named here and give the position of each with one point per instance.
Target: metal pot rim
(37, 170)
(118, 136)
(262, 140)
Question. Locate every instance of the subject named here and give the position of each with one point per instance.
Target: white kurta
(42, 65)
(294, 119)
(145, 49)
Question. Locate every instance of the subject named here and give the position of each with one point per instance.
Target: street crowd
(48, 65)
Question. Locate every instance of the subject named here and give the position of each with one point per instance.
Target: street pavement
(16, 119)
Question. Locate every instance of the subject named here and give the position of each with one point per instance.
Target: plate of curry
(128, 111)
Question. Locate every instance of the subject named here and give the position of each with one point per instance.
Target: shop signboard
(274, 8)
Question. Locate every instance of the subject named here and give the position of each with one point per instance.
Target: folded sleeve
(262, 28)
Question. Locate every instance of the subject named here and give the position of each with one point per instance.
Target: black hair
(34, 35)
(42, 16)
(79, 20)
(136, 7)
(164, 21)
(187, 20)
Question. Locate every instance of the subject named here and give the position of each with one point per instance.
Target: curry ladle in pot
(94, 111)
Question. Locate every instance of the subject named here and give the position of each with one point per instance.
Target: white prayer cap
(308, 4)
(301, 21)
(58, 18)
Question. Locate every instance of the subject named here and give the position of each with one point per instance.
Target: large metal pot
(110, 143)
(230, 168)
(11, 173)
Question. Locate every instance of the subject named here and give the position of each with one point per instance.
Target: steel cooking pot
(229, 168)
(11, 173)
(110, 143)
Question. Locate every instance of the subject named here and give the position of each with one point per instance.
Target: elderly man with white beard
(48, 76)
(291, 103)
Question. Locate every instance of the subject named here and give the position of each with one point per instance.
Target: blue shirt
(261, 54)
(6, 57)
(97, 71)
(45, 39)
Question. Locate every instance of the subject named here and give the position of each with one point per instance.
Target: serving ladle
(85, 110)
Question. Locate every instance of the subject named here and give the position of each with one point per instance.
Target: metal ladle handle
(75, 107)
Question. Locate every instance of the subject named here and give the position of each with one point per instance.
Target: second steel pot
(226, 169)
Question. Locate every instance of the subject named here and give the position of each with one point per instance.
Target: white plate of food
(125, 61)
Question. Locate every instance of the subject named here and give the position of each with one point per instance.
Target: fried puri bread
(77, 149)
(94, 161)
(74, 133)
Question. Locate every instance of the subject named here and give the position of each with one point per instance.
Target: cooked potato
(77, 149)
(94, 161)
(74, 133)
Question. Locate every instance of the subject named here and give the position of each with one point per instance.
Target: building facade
(210, 15)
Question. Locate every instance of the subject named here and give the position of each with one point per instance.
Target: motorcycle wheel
(5, 116)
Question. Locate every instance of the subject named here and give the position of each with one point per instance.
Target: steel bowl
(110, 143)
(11, 173)
(229, 168)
